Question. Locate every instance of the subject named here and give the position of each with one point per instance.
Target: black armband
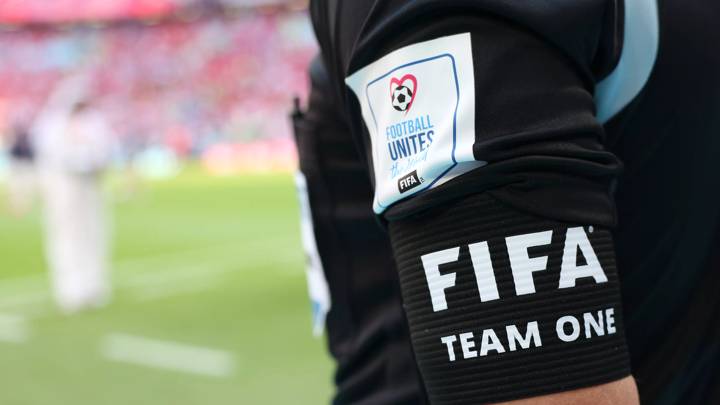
(504, 305)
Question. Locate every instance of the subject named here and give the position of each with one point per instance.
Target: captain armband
(503, 305)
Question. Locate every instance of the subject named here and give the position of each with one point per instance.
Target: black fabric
(534, 121)
(546, 165)
(668, 198)
(361, 28)
(535, 128)
(550, 366)
(367, 330)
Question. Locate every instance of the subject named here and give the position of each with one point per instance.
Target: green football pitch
(209, 306)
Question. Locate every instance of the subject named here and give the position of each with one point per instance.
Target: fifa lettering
(409, 181)
(521, 265)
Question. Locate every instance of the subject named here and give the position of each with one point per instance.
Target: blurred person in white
(74, 146)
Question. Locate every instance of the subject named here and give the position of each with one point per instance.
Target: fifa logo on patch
(408, 182)
(403, 92)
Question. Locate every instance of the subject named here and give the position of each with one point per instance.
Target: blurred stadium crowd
(182, 289)
(198, 79)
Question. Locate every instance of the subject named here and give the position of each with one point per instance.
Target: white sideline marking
(24, 283)
(160, 259)
(167, 355)
(154, 292)
(13, 329)
(29, 300)
(176, 274)
(31, 293)
(141, 263)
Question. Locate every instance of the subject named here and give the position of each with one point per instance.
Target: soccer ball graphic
(401, 98)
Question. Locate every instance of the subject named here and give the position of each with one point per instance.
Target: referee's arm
(491, 174)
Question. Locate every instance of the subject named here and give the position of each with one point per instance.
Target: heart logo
(403, 92)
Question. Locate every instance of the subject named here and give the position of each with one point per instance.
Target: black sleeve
(507, 267)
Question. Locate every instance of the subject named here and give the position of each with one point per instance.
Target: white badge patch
(419, 107)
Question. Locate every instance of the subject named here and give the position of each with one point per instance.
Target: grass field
(206, 270)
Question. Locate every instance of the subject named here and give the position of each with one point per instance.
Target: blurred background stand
(172, 116)
(74, 148)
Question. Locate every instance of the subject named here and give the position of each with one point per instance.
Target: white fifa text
(522, 266)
